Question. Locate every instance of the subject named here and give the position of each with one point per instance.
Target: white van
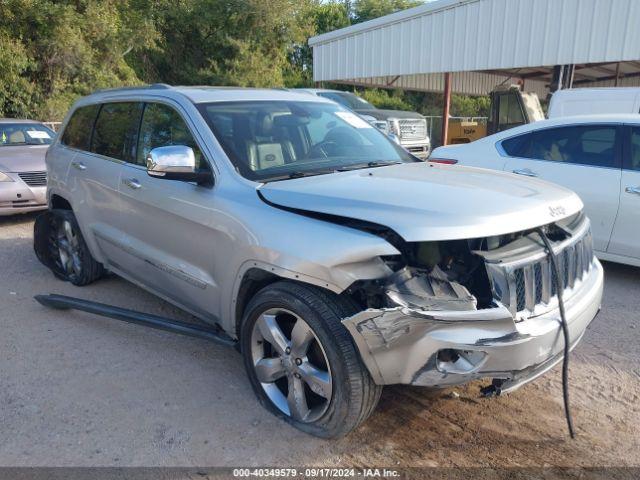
(588, 101)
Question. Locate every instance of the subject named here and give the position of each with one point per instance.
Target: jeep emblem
(557, 211)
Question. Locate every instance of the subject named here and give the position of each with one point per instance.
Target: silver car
(23, 178)
(335, 260)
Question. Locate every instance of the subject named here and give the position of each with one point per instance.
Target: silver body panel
(193, 245)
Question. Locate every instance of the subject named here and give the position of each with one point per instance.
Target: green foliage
(329, 16)
(231, 42)
(54, 51)
(466, 106)
(63, 49)
(363, 10)
(382, 99)
(16, 92)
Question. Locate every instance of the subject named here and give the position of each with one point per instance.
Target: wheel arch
(58, 202)
(254, 276)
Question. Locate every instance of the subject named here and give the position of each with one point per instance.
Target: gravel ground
(79, 390)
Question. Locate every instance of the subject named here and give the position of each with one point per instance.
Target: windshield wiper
(373, 164)
(297, 174)
(312, 173)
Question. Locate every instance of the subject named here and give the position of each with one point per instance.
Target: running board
(62, 302)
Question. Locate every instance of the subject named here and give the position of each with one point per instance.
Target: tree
(363, 10)
(232, 42)
(56, 51)
(325, 17)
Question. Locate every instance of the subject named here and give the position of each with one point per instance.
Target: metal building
(471, 46)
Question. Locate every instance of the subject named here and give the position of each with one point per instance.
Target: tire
(321, 361)
(60, 245)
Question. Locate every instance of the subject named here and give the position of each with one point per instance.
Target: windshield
(25, 134)
(349, 100)
(274, 140)
(532, 104)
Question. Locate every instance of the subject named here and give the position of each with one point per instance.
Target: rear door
(625, 239)
(169, 237)
(103, 137)
(583, 158)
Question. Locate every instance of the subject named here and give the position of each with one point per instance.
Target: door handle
(635, 190)
(79, 165)
(132, 183)
(526, 172)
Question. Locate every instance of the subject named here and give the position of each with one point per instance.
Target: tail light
(445, 161)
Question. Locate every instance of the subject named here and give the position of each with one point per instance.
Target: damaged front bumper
(443, 348)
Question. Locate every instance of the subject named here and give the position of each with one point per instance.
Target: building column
(445, 107)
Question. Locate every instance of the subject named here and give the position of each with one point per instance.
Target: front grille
(34, 179)
(527, 286)
(534, 281)
(413, 129)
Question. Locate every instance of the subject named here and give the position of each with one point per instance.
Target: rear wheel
(302, 362)
(60, 245)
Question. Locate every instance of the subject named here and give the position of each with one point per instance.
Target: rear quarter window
(77, 133)
(514, 147)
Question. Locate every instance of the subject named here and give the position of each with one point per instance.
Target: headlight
(381, 125)
(394, 126)
(5, 178)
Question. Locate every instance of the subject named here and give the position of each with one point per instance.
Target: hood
(429, 202)
(385, 114)
(23, 158)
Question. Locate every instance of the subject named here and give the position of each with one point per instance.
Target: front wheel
(302, 362)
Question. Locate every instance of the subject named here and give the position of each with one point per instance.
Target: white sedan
(597, 156)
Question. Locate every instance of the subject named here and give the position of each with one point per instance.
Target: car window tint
(585, 145)
(515, 146)
(162, 126)
(77, 133)
(116, 130)
(635, 149)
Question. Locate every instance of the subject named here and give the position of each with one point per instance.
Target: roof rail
(154, 86)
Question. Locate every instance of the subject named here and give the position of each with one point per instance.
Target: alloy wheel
(291, 365)
(68, 244)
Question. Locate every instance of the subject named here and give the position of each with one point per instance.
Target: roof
(485, 43)
(315, 90)
(18, 120)
(572, 120)
(202, 94)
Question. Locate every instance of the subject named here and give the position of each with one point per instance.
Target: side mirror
(175, 162)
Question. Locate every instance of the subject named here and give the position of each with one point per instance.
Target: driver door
(168, 225)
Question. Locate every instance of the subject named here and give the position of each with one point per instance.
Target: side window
(635, 148)
(510, 111)
(585, 145)
(515, 146)
(162, 126)
(77, 133)
(116, 130)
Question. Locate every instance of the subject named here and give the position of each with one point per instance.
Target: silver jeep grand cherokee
(337, 261)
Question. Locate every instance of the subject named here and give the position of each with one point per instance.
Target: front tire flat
(302, 362)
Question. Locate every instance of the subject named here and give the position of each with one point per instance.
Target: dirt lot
(78, 390)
